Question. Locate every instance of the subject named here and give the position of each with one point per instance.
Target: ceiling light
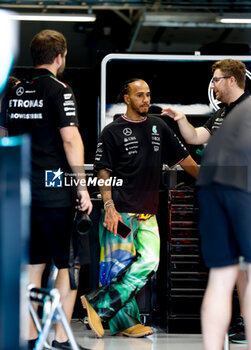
(196, 19)
(52, 17)
(235, 20)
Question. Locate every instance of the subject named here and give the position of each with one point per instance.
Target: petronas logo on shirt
(154, 129)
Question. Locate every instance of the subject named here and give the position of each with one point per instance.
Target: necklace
(134, 120)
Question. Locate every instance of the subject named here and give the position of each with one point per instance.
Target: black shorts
(50, 235)
(225, 221)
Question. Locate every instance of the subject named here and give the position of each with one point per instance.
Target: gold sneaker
(137, 331)
(94, 320)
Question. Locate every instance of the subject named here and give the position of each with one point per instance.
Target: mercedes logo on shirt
(127, 131)
(20, 91)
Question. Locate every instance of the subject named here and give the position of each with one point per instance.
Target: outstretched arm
(192, 135)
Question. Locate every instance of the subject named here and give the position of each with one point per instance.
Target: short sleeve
(66, 108)
(105, 153)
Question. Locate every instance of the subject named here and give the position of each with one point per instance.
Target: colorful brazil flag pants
(125, 266)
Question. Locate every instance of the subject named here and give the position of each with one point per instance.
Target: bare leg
(217, 306)
(68, 298)
(241, 284)
(247, 307)
(35, 277)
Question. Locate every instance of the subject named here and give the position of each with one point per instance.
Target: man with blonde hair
(224, 194)
(228, 84)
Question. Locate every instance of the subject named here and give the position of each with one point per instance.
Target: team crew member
(224, 200)
(45, 108)
(228, 84)
(133, 149)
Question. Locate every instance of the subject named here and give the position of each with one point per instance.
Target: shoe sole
(139, 335)
(85, 306)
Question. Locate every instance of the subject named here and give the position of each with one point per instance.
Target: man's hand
(192, 135)
(83, 201)
(112, 217)
(173, 113)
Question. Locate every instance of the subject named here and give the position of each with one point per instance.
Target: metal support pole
(14, 232)
(226, 342)
(52, 313)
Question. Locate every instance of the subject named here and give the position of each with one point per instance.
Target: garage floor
(160, 340)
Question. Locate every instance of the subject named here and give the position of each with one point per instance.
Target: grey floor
(160, 340)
